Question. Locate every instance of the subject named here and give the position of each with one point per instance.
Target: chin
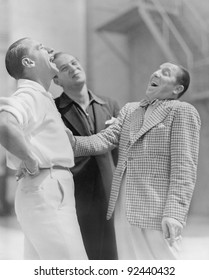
(54, 71)
(148, 95)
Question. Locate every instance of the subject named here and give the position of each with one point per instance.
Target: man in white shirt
(38, 147)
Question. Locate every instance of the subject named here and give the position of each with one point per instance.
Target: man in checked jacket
(158, 141)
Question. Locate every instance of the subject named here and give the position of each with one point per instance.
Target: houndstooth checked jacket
(159, 155)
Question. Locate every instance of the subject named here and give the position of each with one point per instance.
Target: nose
(156, 73)
(71, 67)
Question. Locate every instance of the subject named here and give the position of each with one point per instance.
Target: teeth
(75, 74)
(154, 84)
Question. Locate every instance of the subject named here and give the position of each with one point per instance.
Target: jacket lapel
(157, 116)
(100, 118)
(76, 121)
(71, 115)
(99, 113)
(136, 123)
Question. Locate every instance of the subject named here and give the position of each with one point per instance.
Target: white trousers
(134, 243)
(45, 208)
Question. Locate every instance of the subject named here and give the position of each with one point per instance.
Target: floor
(195, 240)
(11, 239)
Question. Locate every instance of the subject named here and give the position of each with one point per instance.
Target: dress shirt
(41, 123)
(88, 115)
(151, 107)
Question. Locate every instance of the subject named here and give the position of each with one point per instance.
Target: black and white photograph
(104, 134)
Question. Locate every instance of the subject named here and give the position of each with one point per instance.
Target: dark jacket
(92, 177)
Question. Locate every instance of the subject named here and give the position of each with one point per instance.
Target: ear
(56, 80)
(27, 62)
(178, 89)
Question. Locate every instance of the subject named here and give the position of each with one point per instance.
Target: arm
(103, 141)
(13, 140)
(184, 158)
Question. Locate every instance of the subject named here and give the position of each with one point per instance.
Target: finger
(36, 173)
(19, 171)
(172, 236)
(20, 177)
(178, 231)
(165, 230)
(108, 123)
(20, 174)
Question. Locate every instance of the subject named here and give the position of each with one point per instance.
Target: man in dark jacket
(85, 114)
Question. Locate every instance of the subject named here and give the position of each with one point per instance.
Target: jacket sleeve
(103, 141)
(184, 158)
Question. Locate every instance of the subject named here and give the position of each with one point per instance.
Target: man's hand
(29, 167)
(71, 137)
(109, 122)
(172, 229)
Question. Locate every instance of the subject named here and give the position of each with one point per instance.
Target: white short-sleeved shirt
(44, 130)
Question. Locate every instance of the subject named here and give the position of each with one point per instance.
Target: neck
(44, 82)
(79, 95)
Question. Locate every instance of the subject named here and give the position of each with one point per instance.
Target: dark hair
(183, 79)
(58, 54)
(13, 59)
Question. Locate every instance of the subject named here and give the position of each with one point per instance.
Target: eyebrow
(165, 68)
(65, 64)
(74, 59)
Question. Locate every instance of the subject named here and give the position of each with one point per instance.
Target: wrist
(31, 172)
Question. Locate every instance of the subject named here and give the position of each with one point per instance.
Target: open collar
(65, 100)
(29, 84)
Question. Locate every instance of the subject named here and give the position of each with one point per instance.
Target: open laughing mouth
(51, 59)
(153, 84)
(75, 75)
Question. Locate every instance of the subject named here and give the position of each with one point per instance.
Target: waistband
(50, 169)
(56, 167)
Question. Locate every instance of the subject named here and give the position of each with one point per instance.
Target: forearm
(184, 160)
(181, 186)
(101, 142)
(91, 145)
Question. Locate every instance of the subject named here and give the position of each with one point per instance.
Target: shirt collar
(95, 98)
(65, 100)
(146, 102)
(25, 83)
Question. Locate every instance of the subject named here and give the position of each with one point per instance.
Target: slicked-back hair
(13, 59)
(183, 79)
